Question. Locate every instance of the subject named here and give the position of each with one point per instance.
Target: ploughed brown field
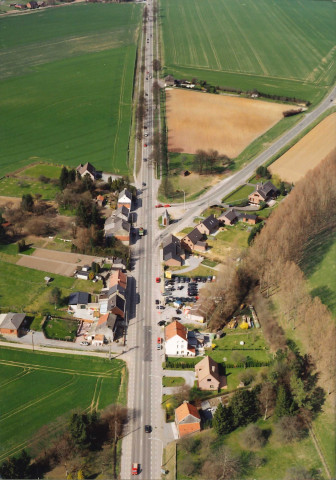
(308, 152)
(227, 124)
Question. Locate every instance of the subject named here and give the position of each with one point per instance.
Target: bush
(190, 444)
(253, 437)
(290, 429)
(298, 473)
(247, 376)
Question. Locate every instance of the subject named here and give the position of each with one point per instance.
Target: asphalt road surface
(145, 371)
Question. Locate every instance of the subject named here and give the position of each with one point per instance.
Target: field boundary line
(59, 370)
(190, 43)
(40, 399)
(22, 373)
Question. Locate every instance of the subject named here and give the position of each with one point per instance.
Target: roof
(186, 409)
(265, 189)
(77, 298)
(230, 215)
(116, 224)
(171, 239)
(195, 235)
(118, 302)
(201, 244)
(107, 320)
(188, 428)
(12, 321)
(175, 328)
(100, 198)
(125, 193)
(99, 337)
(124, 211)
(84, 273)
(172, 250)
(210, 222)
(248, 216)
(116, 288)
(118, 277)
(82, 169)
(206, 365)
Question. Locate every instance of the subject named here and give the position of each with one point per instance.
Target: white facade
(178, 347)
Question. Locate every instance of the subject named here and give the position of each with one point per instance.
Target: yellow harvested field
(227, 124)
(308, 152)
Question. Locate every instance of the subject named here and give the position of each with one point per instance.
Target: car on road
(135, 468)
(167, 205)
(148, 428)
(145, 144)
(146, 134)
(161, 323)
(146, 78)
(146, 94)
(85, 343)
(158, 279)
(159, 205)
(157, 302)
(143, 184)
(161, 307)
(158, 343)
(145, 159)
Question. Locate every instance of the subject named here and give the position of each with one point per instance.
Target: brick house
(189, 241)
(12, 323)
(207, 374)
(248, 218)
(201, 247)
(263, 193)
(209, 225)
(229, 218)
(173, 255)
(187, 419)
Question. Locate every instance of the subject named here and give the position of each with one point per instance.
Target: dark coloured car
(157, 302)
(161, 323)
(148, 428)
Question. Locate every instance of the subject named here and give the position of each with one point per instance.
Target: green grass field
(66, 80)
(25, 288)
(319, 266)
(37, 388)
(240, 194)
(218, 41)
(61, 329)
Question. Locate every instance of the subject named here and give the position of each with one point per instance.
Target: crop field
(308, 152)
(66, 80)
(220, 122)
(37, 388)
(292, 52)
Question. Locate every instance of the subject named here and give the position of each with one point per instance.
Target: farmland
(66, 80)
(37, 388)
(224, 123)
(308, 152)
(217, 41)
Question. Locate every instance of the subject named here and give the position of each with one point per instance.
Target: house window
(209, 379)
(211, 386)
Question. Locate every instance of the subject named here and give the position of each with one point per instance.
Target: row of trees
(205, 162)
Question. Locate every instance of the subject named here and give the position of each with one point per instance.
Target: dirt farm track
(61, 263)
(224, 123)
(308, 152)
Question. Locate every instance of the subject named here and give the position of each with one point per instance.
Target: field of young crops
(284, 48)
(37, 388)
(66, 80)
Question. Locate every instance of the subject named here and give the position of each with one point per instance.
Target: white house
(125, 199)
(176, 336)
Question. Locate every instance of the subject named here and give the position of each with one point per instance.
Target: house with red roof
(187, 419)
(176, 341)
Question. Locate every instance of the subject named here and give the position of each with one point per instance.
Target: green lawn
(240, 194)
(61, 329)
(320, 268)
(254, 346)
(16, 187)
(83, 118)
(45, 386)
(25, 288)
(172, 381)
(209, 263)
(50, 171)
(217, 41)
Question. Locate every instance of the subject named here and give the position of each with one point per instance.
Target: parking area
(179, 293)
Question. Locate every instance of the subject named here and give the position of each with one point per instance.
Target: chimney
(213, 368)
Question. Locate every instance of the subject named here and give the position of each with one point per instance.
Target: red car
(158, 205)
(158, 279)
(145, 145)
(167, 205)
(135, 468)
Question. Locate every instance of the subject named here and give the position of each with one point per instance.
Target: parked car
(167, 205)
(145, 144)
(158, 205)
(85, 343)
(148, 428)
(158, 280)
(161, 323)
(143, 184)
(162, 307)
(145, 159)
(157, 302)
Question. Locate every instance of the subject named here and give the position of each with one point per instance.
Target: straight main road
(144, 360)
